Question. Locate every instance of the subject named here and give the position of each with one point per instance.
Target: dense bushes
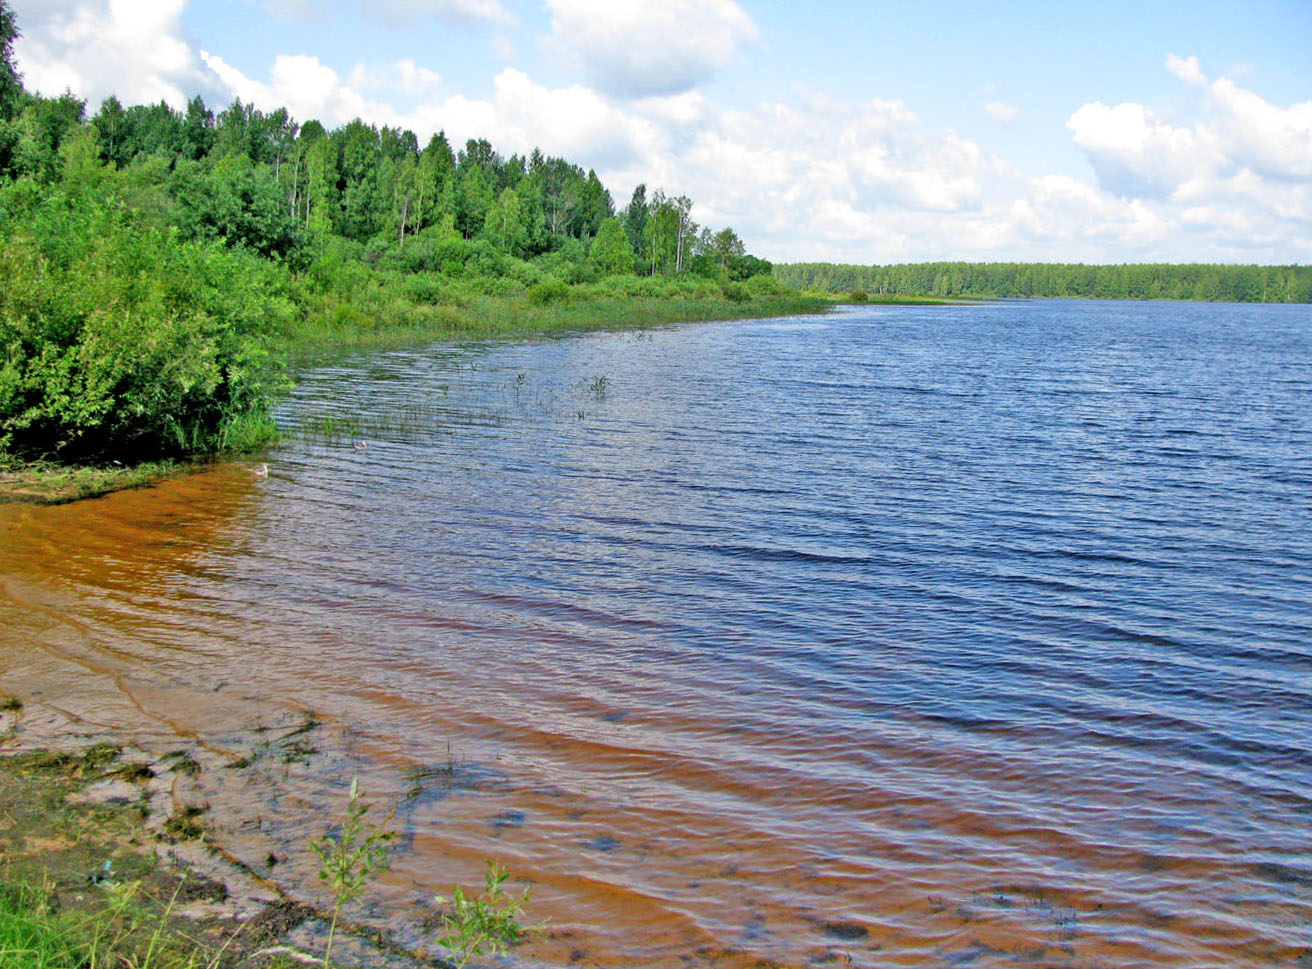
(118, 341)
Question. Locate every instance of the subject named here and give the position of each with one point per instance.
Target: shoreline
(44, 482)
(83, 824)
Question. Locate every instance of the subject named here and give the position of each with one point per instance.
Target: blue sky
(859, 132)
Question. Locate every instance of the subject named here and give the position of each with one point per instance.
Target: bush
(119, 342)
(550, 290)
(760, 286)
(735, 292)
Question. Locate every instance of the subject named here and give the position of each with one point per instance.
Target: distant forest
(1240, 284)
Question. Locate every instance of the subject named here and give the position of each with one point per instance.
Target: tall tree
(611, 253)
(504, 225)
(112, 125)
(11, 82)
(197, 129)
(635, 217)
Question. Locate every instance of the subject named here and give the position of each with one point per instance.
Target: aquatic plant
(488, 920)
(350, 859)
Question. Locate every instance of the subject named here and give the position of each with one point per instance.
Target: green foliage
(117, 341)
(11, 82)
(735, 292)
(484, 923)
(611, 253)
(349, 860)
(235, 203)
(550, 290)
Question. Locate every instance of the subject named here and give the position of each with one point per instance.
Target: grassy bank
(46, 483)
(82, 884)
(474, 316)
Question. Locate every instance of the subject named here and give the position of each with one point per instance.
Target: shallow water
(970, 635)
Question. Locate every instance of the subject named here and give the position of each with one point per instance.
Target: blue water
(1044, 566)
(916, 635)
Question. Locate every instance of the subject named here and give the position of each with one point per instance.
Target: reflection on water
(974, 635)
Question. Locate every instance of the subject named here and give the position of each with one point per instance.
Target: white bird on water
(261, 472)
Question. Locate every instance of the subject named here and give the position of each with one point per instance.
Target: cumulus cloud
(1238, 178)
(574, 122)
(802, 177)
(1001, 111)
(135, 49)
(1135, 153)
(303, 85)
(635, 48)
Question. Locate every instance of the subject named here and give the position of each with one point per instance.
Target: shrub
(117, 341)
(760, 286)
(550, 290)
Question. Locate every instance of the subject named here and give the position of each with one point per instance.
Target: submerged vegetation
(1002, 280)
(83, 884)
(162, 271)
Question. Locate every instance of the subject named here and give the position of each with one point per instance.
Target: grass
(396, 324)
(47, 483)
(125, 930)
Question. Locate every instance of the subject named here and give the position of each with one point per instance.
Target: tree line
(1241, 284)
(262, 181)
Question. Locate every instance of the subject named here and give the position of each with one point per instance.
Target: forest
(163, 271)
(1002, 280)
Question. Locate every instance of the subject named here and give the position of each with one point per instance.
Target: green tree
(504, 225)
(611, 254)
(635, 217)
(112, 124)
(11, 82)
(473, 199)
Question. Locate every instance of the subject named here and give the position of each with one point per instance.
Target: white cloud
(1186, 69)
(416, 79)
(1000, 111)
(809, 177)
(636, 48)
(305, 87)
(1275, 142)
(574, 122)
(1237, 183)
(1135, 153)
(132, 48)
(404, 76)
(395, 11)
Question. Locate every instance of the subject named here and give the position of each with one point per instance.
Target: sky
(860, 132)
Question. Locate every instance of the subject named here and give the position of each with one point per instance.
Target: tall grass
(36, 934)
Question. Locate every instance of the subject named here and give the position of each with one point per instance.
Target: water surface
(968, 635)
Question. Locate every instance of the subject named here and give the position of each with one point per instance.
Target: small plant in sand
(350, 859)
(488, 921)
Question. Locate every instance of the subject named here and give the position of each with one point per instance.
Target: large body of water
(971, 635)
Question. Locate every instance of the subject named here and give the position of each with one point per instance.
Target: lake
(970, 635)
